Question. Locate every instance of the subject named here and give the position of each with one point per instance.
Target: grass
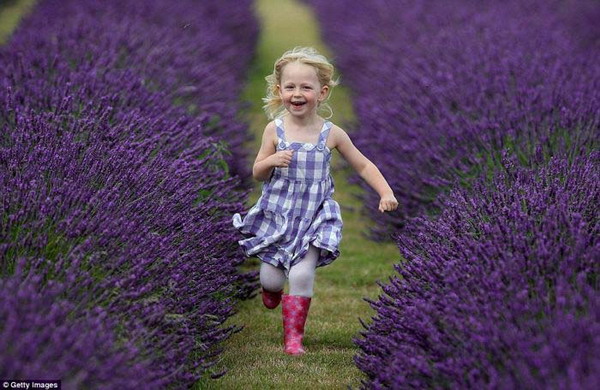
(254, 357)
(11, 13)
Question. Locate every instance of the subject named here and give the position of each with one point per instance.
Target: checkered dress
(295, 209)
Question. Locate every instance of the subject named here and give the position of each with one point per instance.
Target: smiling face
(300, 90)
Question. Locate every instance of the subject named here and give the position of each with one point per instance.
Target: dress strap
(324, 134)
(279, 127)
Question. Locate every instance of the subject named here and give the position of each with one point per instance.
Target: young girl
(296, 225)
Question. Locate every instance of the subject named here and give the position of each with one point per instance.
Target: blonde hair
(307, 55)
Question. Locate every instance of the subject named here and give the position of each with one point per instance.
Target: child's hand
(388, 203)
(282, 159)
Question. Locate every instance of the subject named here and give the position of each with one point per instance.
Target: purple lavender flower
(500, 291)
(47, 336)
(486, 115)
(118, 142)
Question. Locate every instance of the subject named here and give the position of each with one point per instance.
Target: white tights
(301, 277)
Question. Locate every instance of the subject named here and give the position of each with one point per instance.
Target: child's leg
(302, 274)
(294, 312)
(272, 280)
(296, 304)
(271, 277)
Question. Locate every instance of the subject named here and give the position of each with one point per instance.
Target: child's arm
(268, 157)
(365, 168)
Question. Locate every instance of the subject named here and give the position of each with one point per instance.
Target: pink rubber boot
(271, 299)
(295, 311)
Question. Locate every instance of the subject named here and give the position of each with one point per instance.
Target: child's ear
(324, 92)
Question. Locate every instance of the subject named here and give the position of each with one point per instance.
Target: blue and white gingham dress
(295, 209)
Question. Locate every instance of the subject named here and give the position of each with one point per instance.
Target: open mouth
(298, 104)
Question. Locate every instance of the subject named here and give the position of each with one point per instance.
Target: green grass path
(254, 357)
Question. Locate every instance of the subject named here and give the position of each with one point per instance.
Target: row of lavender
(484, 117)
(501, 291)
(116, 251)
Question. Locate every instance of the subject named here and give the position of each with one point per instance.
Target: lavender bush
(43, 337)
(118, 177)
(441, 88)
(485, 113)
(501, 291)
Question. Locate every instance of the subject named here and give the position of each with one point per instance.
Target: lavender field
(484, 118)
(120, 166)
